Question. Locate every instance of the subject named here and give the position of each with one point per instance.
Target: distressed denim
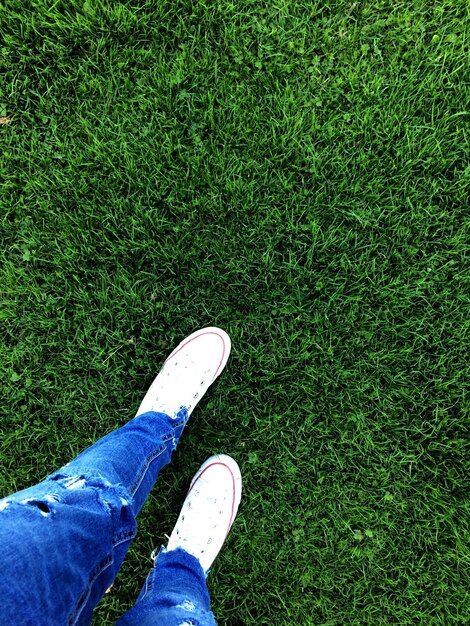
(64, 540)
(174, 594)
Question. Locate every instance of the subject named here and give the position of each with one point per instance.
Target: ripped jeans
(64, 540)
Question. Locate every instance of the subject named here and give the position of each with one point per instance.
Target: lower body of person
(64, 540)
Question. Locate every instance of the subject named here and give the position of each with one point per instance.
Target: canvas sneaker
(209, 510)
(188, 373)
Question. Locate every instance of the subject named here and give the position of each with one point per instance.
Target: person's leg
(175, 592)
(64, 539)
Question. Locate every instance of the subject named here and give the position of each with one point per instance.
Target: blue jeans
(64, 540)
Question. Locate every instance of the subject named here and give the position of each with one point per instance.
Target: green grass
(297, 173)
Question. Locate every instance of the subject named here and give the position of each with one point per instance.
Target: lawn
(296, 173)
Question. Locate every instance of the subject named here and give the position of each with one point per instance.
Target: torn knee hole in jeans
(70, 482)
(44, 504)
(111, 496)
(187, 605)
(82, 480)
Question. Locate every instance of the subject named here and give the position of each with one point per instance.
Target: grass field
(296, 173)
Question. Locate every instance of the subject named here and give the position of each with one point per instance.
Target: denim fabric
(174, 594)
(63, 540)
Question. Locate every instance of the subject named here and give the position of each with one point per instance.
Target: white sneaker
(188, 373)
(209, 510)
